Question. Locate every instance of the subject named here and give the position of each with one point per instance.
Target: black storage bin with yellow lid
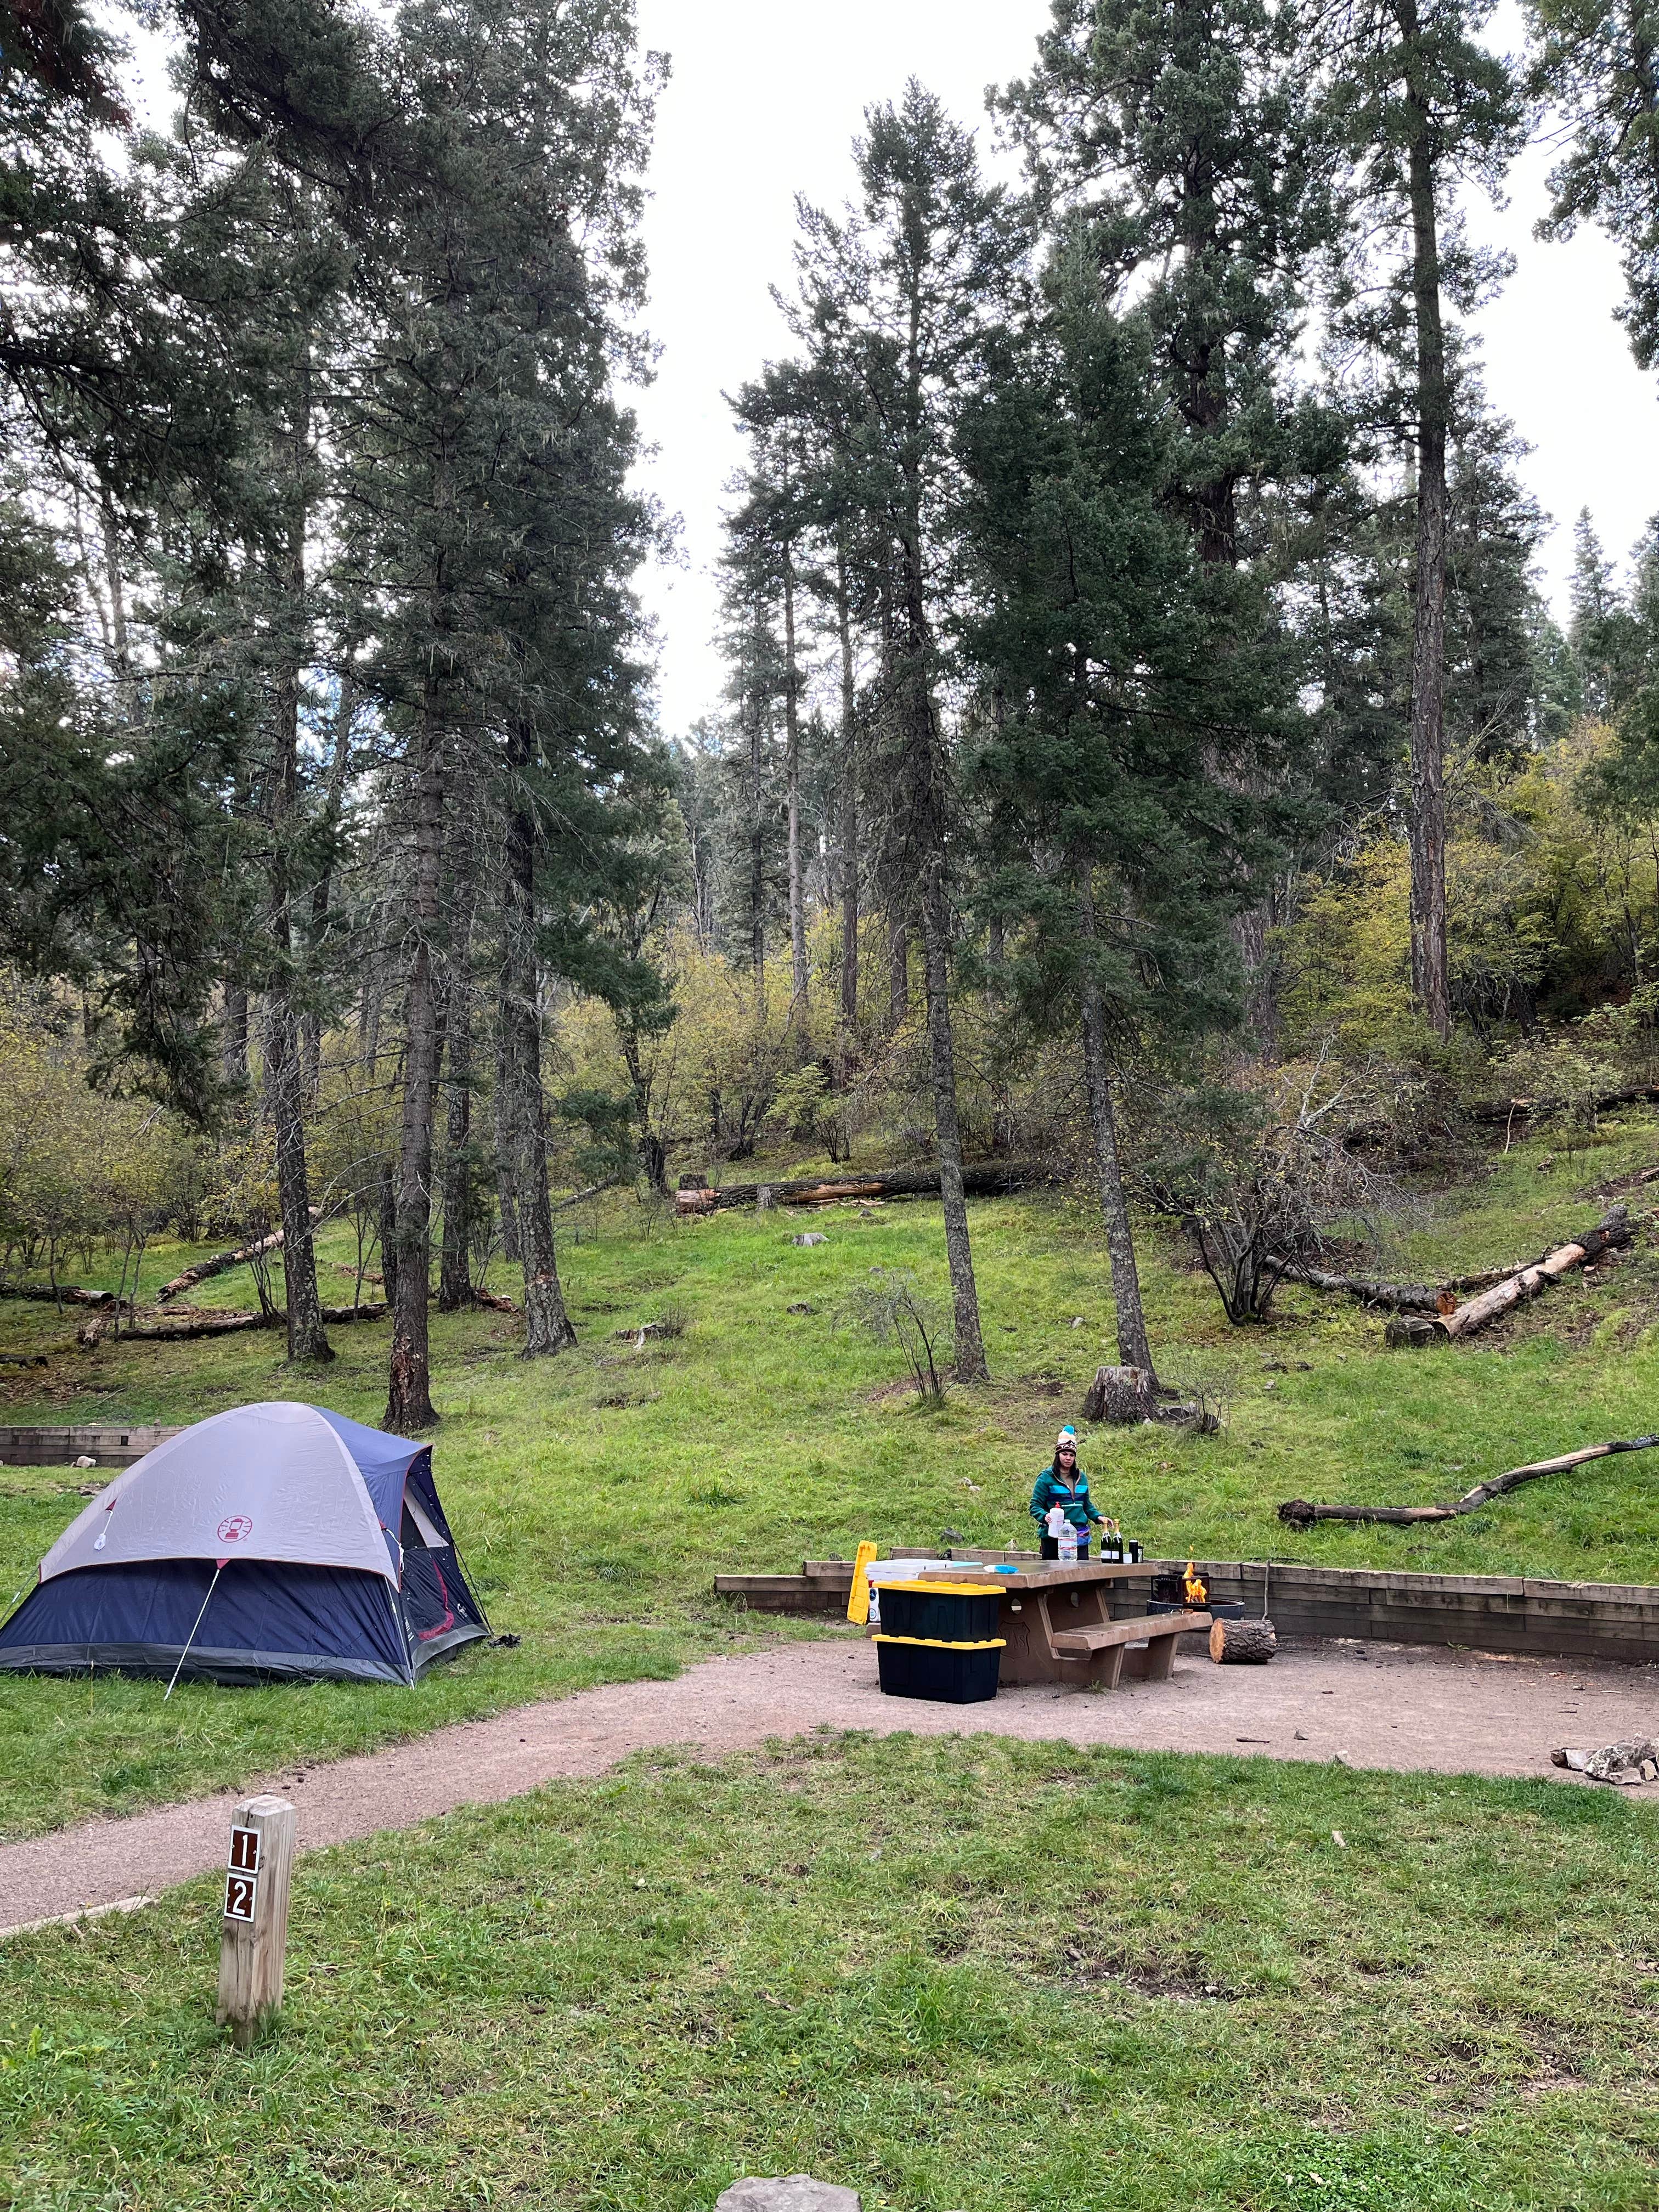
(945, 1612)
(938, 1639)
(950, 1673)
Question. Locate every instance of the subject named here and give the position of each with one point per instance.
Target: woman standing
(1064, 1484)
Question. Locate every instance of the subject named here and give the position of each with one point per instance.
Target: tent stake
(219, 1568)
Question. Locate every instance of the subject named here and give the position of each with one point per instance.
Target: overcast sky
(764, 101)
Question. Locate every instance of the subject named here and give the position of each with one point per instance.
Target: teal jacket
(1053, 1489)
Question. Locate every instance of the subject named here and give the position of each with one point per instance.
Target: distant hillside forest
(1146, 752)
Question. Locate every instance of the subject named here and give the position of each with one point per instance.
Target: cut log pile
(1301, 1514)
(693, 1196)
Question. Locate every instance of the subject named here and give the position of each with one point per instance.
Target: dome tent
(269, 1542)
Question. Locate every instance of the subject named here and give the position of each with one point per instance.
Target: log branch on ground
(1301, 1514)
(897, 1182)
(1613, 1229)
(181, 1327)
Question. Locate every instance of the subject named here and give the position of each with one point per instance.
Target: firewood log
(1242, 1642)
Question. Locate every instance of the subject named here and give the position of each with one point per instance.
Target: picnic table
(1059, 1627)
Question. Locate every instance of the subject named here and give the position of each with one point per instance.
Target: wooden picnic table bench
(1104, 1650)
(1058, 1626)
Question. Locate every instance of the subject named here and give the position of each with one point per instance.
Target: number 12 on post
(242, 1881)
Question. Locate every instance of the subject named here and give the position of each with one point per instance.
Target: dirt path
(1377, 1705)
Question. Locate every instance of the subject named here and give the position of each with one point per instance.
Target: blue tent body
(275, 1542)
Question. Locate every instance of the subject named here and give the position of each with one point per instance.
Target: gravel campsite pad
(1386, 1706)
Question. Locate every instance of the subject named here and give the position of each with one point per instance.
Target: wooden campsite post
(255, 1913)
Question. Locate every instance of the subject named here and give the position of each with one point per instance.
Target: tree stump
(1411, 1332)
(1120, 1395)
(1242, 1642)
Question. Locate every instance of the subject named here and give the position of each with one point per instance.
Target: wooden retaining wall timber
(1525, 1614)
(111, 1446)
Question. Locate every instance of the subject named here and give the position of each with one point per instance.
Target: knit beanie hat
(1067, 1436)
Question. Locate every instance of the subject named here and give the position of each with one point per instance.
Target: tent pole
(218, 1569)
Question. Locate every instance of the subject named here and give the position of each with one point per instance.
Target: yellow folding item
(858, 1601)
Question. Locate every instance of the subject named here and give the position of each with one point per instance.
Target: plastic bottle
(1068, 1544)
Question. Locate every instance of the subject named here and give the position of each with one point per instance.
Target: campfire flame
(1197, 1588)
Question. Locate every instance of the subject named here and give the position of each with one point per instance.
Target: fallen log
(1301, 1514)
(1524, 1110)
(1403, 1297)
(1242, 1643)
(986, 1181)
(1409, 1330)
(69, 1294)
(182, 1329)
(1433, 1298)
(220, 1264)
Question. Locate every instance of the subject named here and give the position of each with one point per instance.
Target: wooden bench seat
(1102, 1648)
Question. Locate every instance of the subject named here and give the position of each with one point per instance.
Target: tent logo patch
(235, 1528)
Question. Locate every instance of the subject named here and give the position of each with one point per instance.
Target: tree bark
(849, 822)
(1132, 1348)
(233, 1047)
(455, 1264)
(756, 863)
(970, 1363)
(547, 1324)
(307, 1339)
(792, 738)
(409, 1397)
(1248, 1643)
(898, 971)
(1430, 984)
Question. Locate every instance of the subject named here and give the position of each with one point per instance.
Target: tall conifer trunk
(1430, 984)
(409, 1397)
(757, 862)
(547, 1324)
(1132, 1348)
(958, 1251)
(849, 820)
(791, 739)
(455, 1265)
(284, 1074)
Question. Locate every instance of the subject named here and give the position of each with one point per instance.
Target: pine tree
(502, 305)
(893, 301)
(1598, 62)
(1417, 101)
(1130, 728)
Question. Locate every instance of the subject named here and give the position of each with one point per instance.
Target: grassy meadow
(976, 1973)
(596, 1494)
(962, 1974)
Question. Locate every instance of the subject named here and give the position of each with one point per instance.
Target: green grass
(970, 1973)
(596, 1494)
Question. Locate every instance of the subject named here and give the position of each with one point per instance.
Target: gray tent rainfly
(271, 1542)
